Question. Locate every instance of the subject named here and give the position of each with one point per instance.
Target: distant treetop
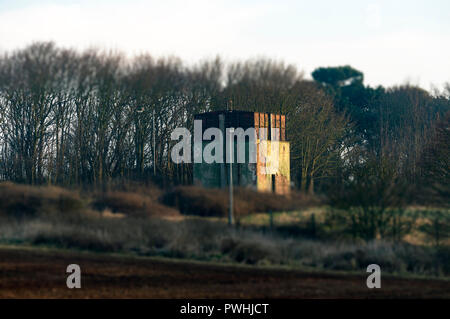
(337, 76)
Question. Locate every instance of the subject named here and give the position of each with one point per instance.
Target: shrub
(131, 204)
(202, 239)
(192, 200)
(250, 251)
(23, 200)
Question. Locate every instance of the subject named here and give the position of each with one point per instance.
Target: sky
(393, 42)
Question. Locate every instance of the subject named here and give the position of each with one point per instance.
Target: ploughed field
(41, 273)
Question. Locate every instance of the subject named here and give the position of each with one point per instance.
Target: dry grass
(23, 200)
(144, 201)
(191, 200)
(202, 239)
(53, 216)
(132, 204)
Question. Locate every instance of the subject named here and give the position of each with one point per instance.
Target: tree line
(88, 118)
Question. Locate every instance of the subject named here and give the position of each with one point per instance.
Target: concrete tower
(270, 172)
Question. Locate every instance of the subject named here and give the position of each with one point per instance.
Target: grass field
(40, 273)
(129, 243)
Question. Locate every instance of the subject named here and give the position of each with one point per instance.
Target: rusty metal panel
(278, 125)
(283, 128)
(275, 131)
(263, 130)
(256, 119)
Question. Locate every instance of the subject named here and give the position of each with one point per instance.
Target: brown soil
(38, 273)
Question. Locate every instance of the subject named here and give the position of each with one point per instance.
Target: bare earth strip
(38, 273)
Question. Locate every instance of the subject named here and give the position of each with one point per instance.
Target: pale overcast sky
(390, 41)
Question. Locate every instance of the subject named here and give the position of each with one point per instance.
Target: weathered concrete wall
(209, 175)
(283, 176)
(275, 168)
